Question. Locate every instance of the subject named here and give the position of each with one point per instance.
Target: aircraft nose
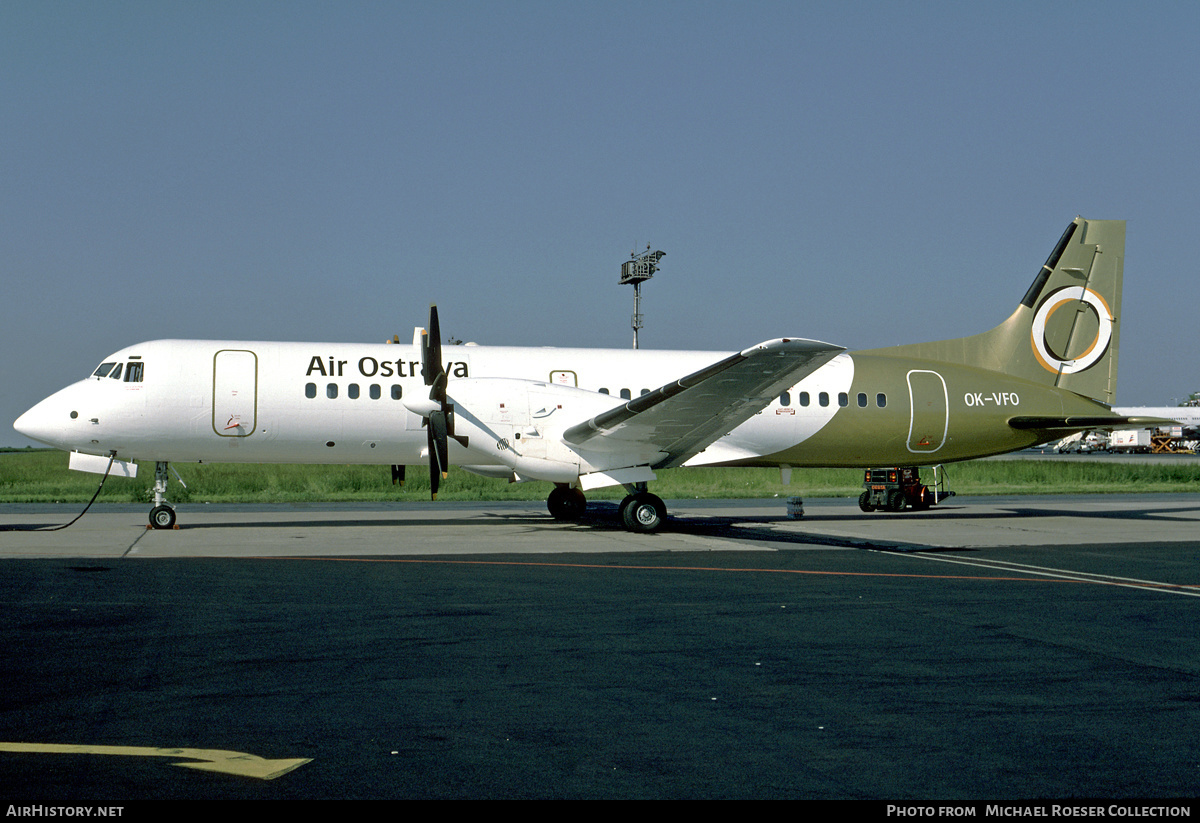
(41, 424)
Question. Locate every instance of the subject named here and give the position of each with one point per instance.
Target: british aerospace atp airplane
(588, 418)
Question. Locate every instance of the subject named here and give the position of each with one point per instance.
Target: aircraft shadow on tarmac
(757, 528)
(1007, 512)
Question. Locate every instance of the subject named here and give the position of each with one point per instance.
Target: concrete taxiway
(519, 528)
(991, 648)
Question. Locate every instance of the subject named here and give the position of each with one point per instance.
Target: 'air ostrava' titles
(370, 367)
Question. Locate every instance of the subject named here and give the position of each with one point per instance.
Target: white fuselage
(271, 402)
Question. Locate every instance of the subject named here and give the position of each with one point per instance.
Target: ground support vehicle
(897, 488)
(1132, 440)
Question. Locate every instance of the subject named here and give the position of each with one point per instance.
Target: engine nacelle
(519, 423)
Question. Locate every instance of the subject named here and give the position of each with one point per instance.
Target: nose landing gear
(162, 516)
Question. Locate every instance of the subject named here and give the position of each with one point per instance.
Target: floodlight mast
(635, 270)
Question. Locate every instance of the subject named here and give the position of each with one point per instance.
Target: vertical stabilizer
(1066, 329)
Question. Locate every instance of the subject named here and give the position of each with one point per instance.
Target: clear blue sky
(861, 173)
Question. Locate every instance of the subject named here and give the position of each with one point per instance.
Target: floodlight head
(641, 267)
(634, 271)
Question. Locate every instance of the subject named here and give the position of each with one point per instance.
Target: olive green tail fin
(1066, 329)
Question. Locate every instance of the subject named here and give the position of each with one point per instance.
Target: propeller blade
(437, 390)
(439, 419)
(462, 439)
(431, 355)
(437, 428)
(435, 474)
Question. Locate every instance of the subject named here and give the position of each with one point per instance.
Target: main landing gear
(640, 511)
(566, 503)
(162, 516)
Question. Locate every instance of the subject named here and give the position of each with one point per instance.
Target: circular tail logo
(1094, 350)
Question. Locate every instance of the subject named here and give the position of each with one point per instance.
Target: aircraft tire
(624, 504)
(864, 502)
(162, 517)
(643, 512)
(566, 503)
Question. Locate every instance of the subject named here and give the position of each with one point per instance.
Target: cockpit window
(134, 371)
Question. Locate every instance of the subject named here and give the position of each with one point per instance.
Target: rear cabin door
(930, 406)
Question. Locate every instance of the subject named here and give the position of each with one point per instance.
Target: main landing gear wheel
(566, 503)
(643, 512)
(162, 517)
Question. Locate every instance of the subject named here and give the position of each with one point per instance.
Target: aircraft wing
(683, 417)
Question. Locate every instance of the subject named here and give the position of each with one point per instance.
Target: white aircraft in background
(1187, 417)
(588, 418)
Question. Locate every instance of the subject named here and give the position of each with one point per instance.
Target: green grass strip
(42, 476)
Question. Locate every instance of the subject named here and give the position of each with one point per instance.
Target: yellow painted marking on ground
(216, 760)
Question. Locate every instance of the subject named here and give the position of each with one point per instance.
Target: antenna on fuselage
(636, 270)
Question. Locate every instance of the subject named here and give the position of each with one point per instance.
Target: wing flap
(679, 419)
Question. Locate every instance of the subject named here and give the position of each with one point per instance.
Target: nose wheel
(162, 516)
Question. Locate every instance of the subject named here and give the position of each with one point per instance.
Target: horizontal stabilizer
(1079, 422)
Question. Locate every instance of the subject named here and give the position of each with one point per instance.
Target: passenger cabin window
(862, 400)
(604, 391)
(785, 399)
(626, 394)
(804, 399)
(823, 398)
(353, 390)
(881, 400)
